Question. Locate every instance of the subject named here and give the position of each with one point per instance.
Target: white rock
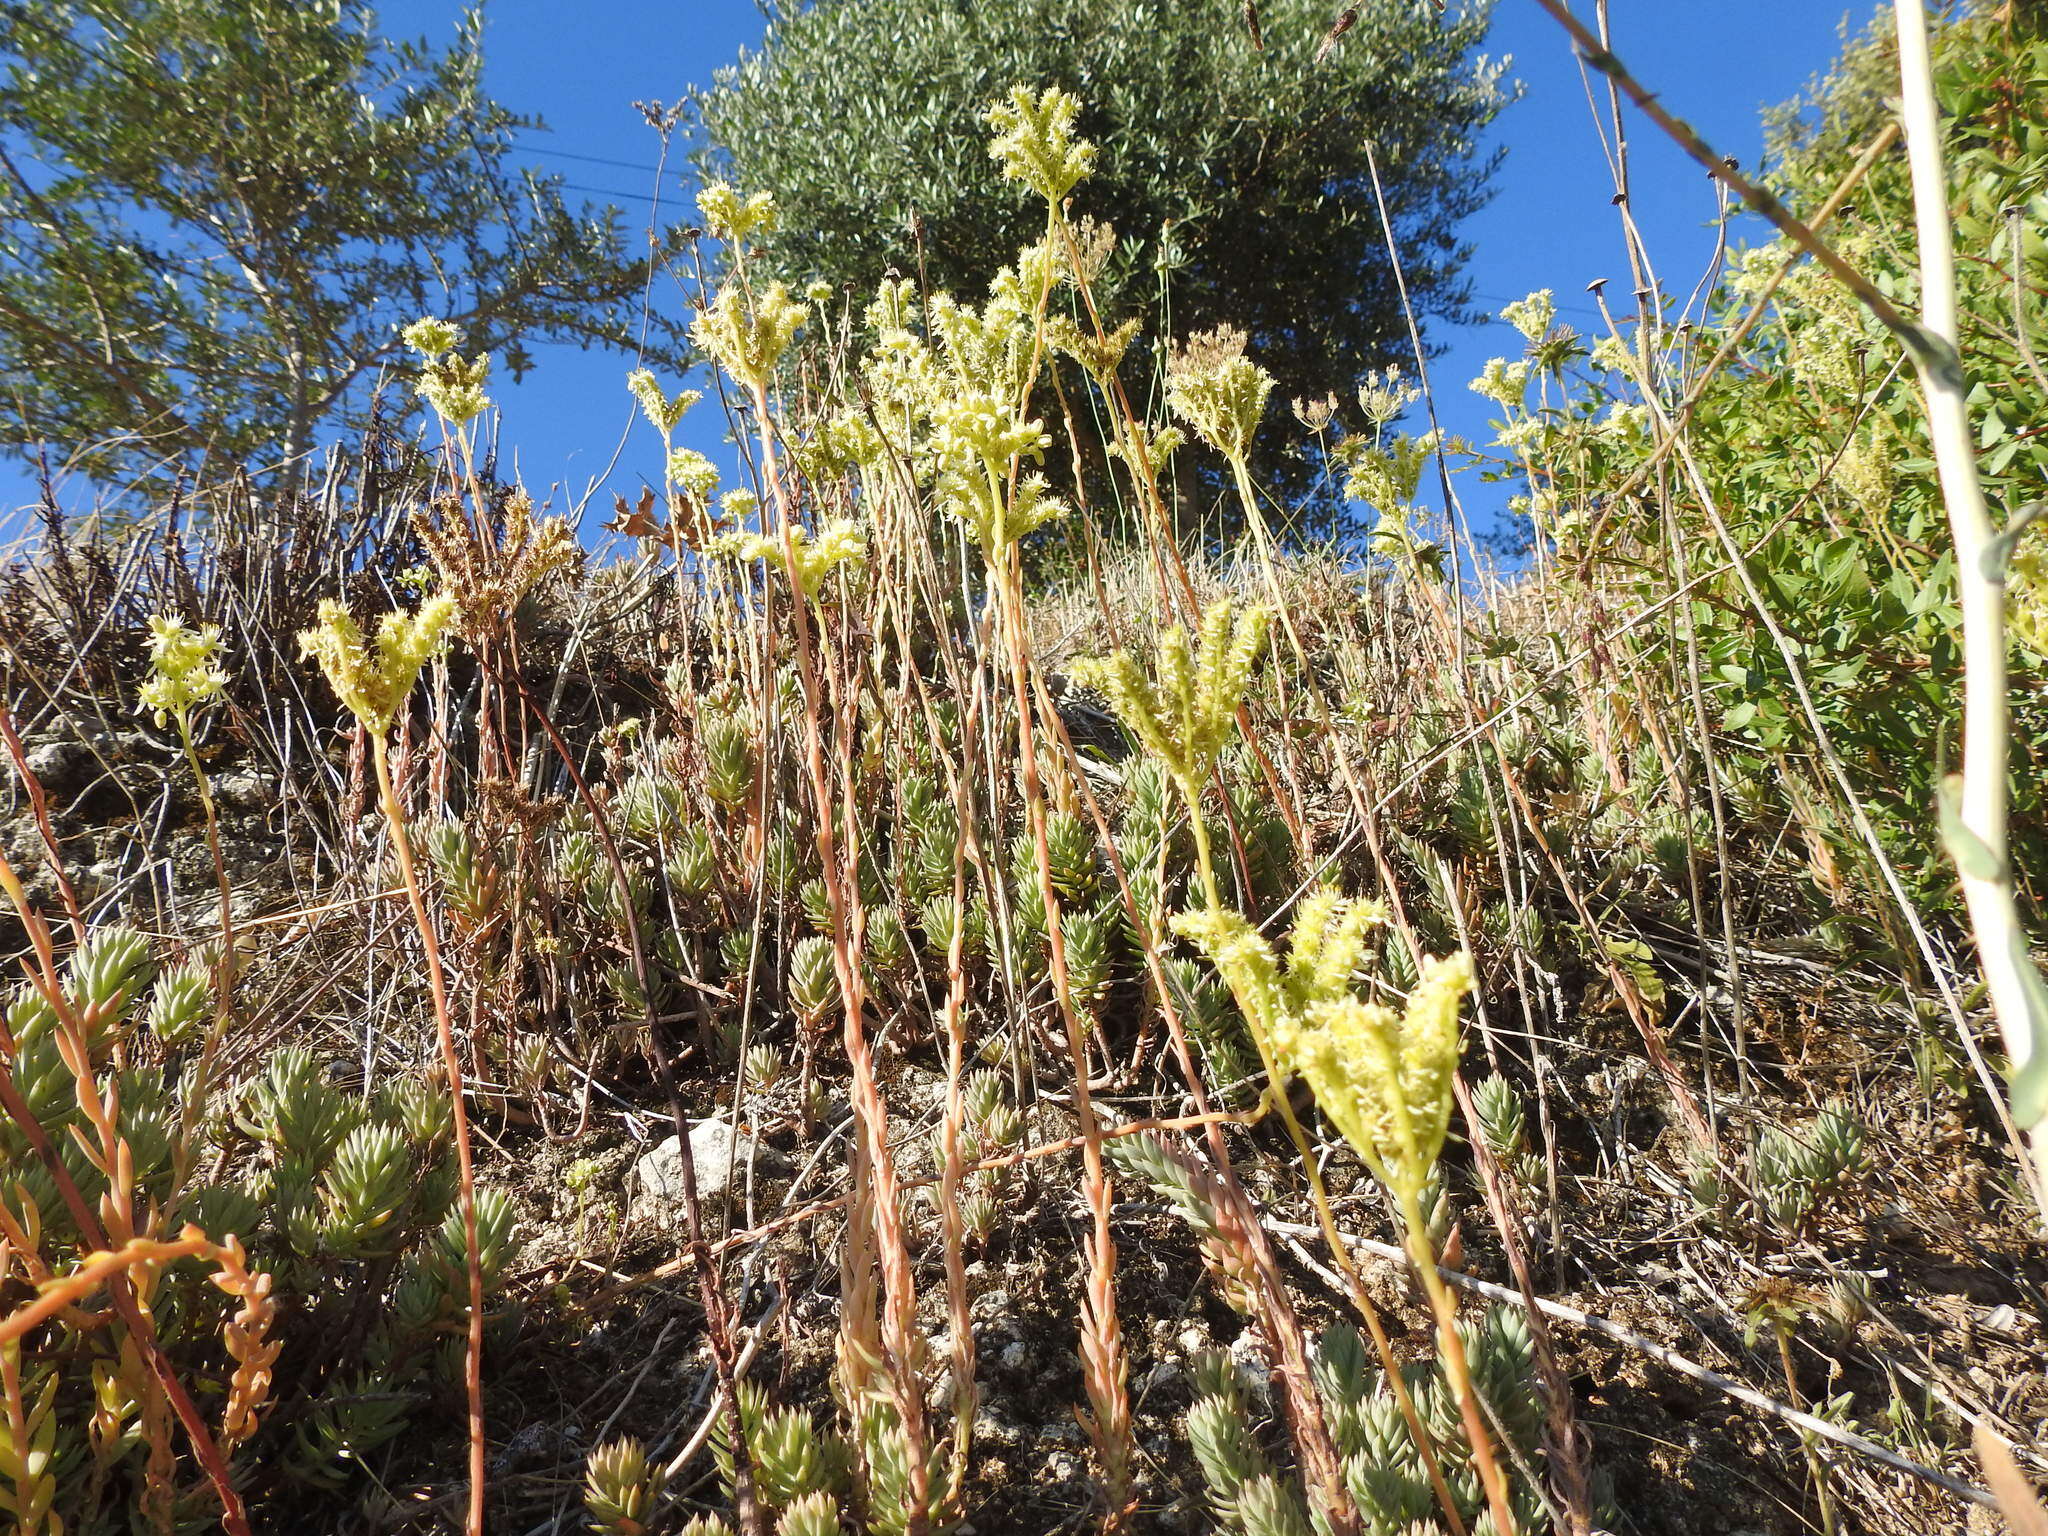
(1248, 1352)
(720, 1157)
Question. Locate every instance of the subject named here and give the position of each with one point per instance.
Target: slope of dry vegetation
(793, 1027)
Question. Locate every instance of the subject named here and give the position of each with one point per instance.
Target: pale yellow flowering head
(1325, 952)
(1186, 712)
(1629, 420)
(894, 307)
(1614, 354)
(373, 680)
(454, 388)
(731, 216)
(988, 350)
(183, 672)
(844, 441)
(1532, 316)
(1246, 963)
(997, 519)
(1383, 1078)
(739, 503)
(1386, 477)
(1100, 356)
(837, 543)
(1218, 391)
(430, 337)
(748, 337)
(1036, 142)
(697, 475)
(1502, 382)
(660, 409)
(1158, 445)
(973, 430)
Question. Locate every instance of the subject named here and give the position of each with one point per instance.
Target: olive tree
(1235, 173)
(214, 214)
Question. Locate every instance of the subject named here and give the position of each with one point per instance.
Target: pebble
(720, 1157)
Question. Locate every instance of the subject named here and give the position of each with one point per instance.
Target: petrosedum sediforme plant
(1185, 713)
(184, 670)
(839, 542)
(1383, 1078)
(452, 386)
(373, 678)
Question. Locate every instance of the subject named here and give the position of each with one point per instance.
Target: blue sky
(1551, 224)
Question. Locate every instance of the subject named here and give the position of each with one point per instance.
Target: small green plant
(1794, 1171)
(1383, 1468)
(621, 1488)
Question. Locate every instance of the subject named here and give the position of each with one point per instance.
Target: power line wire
(566, 154)
(639, 197)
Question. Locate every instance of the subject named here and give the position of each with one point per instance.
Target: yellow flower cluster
(453, 387)
(729, 215)
(1385, 478)
(1186, 712)
(1385, 394)
(697, 475)
(374, 685)
(837, 543)
(1036, 143)
(663, 411)
(1613, 354)
(970, 390)
(998, 520)
(1383, 1078)
(430, 337)
(839, 443)
(1325, 951)
(1502, 382)
(1532, 316)
(1099, 357)
(1218, 391)
(183, 672)
(748, 337)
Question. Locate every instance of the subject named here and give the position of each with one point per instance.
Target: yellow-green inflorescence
(1036, 142)
(1532, 316)
(661, 409)
(373, 680)
(1383, 1078)
(183, 671)
(1218, 391)
(837, 543)
(734, 216)
(749, 333)
(697, 475)
(1186, 712)
(1325, 952)
(452, 386)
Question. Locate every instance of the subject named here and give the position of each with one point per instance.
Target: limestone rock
(721, 1157)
